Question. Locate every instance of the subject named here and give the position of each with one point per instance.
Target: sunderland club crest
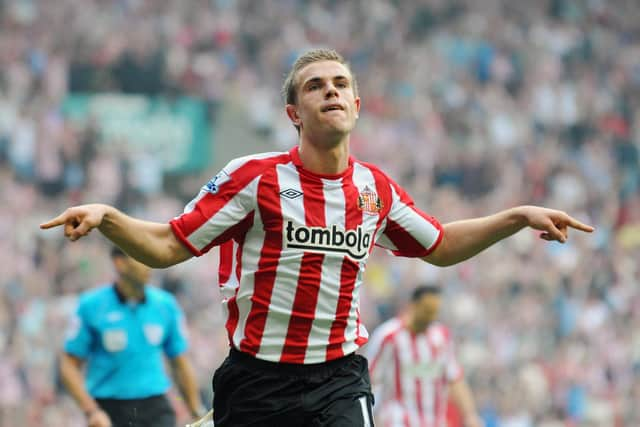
(369, 202)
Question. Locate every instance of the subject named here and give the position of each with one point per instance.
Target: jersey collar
(123, 299)
(295, 158)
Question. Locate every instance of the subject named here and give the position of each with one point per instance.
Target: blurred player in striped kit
(306, 222)
(414, 368)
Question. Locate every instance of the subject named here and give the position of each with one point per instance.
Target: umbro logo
(291, 193)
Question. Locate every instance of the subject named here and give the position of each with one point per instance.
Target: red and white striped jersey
(303, 242)
(410, 374)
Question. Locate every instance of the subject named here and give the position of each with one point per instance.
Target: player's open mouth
(332, 107)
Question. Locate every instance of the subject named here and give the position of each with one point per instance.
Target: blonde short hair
(289, 89)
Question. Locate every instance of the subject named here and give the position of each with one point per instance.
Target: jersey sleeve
(176, 341)
(408, 231)
(222, 209)
(78, 335)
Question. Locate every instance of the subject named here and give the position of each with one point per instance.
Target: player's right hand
(99, 418)
(78, 221)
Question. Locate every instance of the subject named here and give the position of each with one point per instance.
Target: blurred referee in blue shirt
(122, 330)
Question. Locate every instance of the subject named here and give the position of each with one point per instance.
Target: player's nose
(331, 91)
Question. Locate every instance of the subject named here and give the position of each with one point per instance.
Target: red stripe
(265, 276)
(417, 362)
(397, 372)
(348, 275)
(224, 273)
(309, 277)
(232, 305)
(226, 262)
(234, 315)
(239, 259)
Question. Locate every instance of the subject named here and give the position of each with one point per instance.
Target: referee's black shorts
(253, 392)
(153, 411)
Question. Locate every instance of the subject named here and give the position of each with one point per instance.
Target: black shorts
(253, 392)
(153, 411)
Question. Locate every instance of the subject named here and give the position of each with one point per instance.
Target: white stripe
(365, 411)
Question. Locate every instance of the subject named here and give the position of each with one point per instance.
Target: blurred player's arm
(464, 239)
(188, 385)
(73, 379)
(462, 397)
(151, 243)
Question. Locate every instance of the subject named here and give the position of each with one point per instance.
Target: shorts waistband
(133, 401)
(293, 369)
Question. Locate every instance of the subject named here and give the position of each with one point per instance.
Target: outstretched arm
(151, 243)
(464, 239)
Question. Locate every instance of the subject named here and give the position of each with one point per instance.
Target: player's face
(427, 309)
(326, 104)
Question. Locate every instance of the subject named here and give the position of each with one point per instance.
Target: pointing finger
(574, 223)
(59, 220)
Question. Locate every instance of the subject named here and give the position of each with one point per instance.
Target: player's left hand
(554, 224)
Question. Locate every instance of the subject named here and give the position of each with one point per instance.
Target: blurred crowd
(472, 105)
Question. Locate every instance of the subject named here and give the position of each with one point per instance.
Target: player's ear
(292, 113)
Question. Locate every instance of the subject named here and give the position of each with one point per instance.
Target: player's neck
(415, 329)
(129, 290)
(322, 159)
(414, 326)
